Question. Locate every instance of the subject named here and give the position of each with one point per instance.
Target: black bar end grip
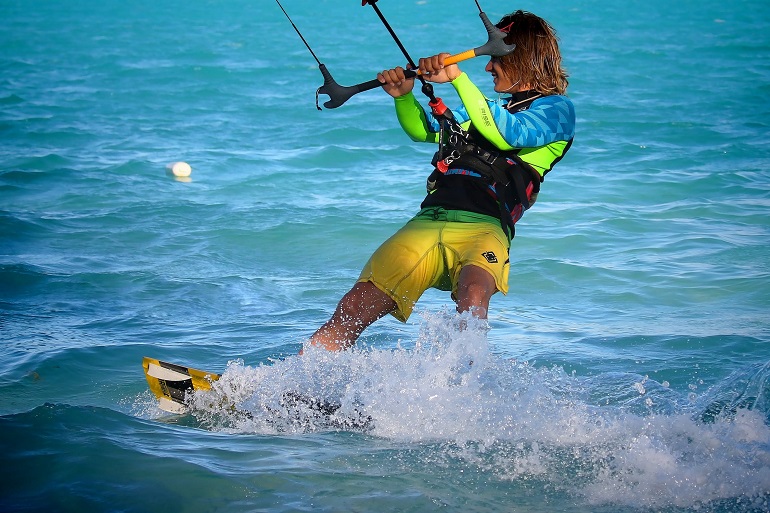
(495, 45)
(340, 94)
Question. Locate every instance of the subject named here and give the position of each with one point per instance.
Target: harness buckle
(443, 165)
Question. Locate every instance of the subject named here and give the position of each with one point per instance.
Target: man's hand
(433, 69)
(394, 82)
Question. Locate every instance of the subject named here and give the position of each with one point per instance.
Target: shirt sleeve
(548, 119)
(419, 126)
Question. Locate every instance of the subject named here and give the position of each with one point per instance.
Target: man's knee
(474, 291)
(350, 305)
(475, 301)
(364, 303)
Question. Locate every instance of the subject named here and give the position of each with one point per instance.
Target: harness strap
(508, 177)
(506, 174)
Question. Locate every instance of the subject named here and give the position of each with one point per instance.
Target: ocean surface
(627, 371)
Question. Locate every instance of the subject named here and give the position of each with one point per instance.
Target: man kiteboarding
(492, 157)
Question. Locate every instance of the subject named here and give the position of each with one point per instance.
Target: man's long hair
(536, 61)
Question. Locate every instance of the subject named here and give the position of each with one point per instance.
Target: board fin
(170, 383)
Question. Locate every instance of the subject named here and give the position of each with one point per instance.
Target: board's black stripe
(176, 389)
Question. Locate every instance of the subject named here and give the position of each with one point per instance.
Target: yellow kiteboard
(170, 382)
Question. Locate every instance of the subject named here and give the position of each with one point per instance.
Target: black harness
(504, 171)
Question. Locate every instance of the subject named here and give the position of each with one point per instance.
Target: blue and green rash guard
(537, 129)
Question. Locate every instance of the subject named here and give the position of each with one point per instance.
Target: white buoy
(180, 169)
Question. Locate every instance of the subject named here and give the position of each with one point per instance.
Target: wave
(612, 438)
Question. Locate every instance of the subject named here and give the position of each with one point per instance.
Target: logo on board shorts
(490, 256)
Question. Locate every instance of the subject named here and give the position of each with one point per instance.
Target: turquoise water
(628, 370)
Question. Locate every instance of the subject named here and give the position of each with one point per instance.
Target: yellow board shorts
(431, 249)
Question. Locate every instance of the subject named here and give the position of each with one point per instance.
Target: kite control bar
(338, 95)
(494, 47)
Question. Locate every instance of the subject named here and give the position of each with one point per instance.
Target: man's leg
(475, 288)
(357, 309)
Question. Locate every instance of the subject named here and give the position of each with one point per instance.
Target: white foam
(509, 418)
